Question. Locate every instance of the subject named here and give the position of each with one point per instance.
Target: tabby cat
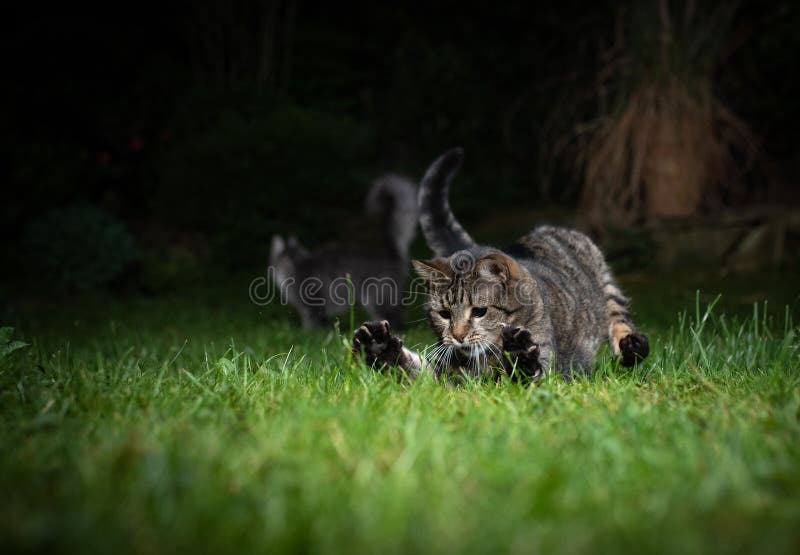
(320, 283)
(542, 305)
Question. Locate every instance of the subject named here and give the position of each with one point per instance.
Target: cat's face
(468, 303)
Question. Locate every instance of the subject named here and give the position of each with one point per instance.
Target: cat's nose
(459, 335)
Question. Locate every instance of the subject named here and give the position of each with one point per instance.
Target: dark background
(199, 129)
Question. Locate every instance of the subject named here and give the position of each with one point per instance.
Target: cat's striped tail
(443, 233)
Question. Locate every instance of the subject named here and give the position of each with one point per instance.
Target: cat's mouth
(479, 354)
(472, 350)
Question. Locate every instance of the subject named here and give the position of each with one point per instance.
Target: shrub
(249, 173)
(664, 142)
(79, 246)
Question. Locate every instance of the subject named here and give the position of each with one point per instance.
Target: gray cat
(543, 304)
(316, 283)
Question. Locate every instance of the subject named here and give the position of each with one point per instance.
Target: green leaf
(5, 334)
(6, 345)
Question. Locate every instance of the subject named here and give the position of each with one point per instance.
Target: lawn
(203, 424)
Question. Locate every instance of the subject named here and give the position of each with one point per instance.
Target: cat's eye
(445, 314)
(478, 311)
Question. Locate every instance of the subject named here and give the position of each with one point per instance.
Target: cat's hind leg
(627, 343)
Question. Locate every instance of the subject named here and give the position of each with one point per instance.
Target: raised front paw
(633, 348)
(522, 352)
(379, 346)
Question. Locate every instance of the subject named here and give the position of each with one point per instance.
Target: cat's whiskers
(435, 352)
(498, 355)
(436, 344)
(440, 351)
(490, 349)
(485, 352)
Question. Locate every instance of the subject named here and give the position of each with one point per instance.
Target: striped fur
(392, 201)
(585, 299)
(544, 304)
(442, 232)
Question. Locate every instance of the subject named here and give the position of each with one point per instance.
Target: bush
(80, 246)
(248, 173)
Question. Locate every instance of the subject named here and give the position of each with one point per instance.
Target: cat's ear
(498, 267)
(435, 271)
(293, 244)
(278, 246)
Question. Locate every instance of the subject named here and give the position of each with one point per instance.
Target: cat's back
(564, 258)
(570, 270)
(333, 261)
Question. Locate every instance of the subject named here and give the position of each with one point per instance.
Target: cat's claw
(379, 346)
(522, 352)
(633, 348)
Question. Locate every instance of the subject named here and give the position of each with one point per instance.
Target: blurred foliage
(230, 122)
(629, 250)
(247, 174)
(7, 346)
(668, 41)
(163, 269)
(663, 143)
(79, 247)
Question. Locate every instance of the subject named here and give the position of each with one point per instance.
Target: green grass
(156, 426)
